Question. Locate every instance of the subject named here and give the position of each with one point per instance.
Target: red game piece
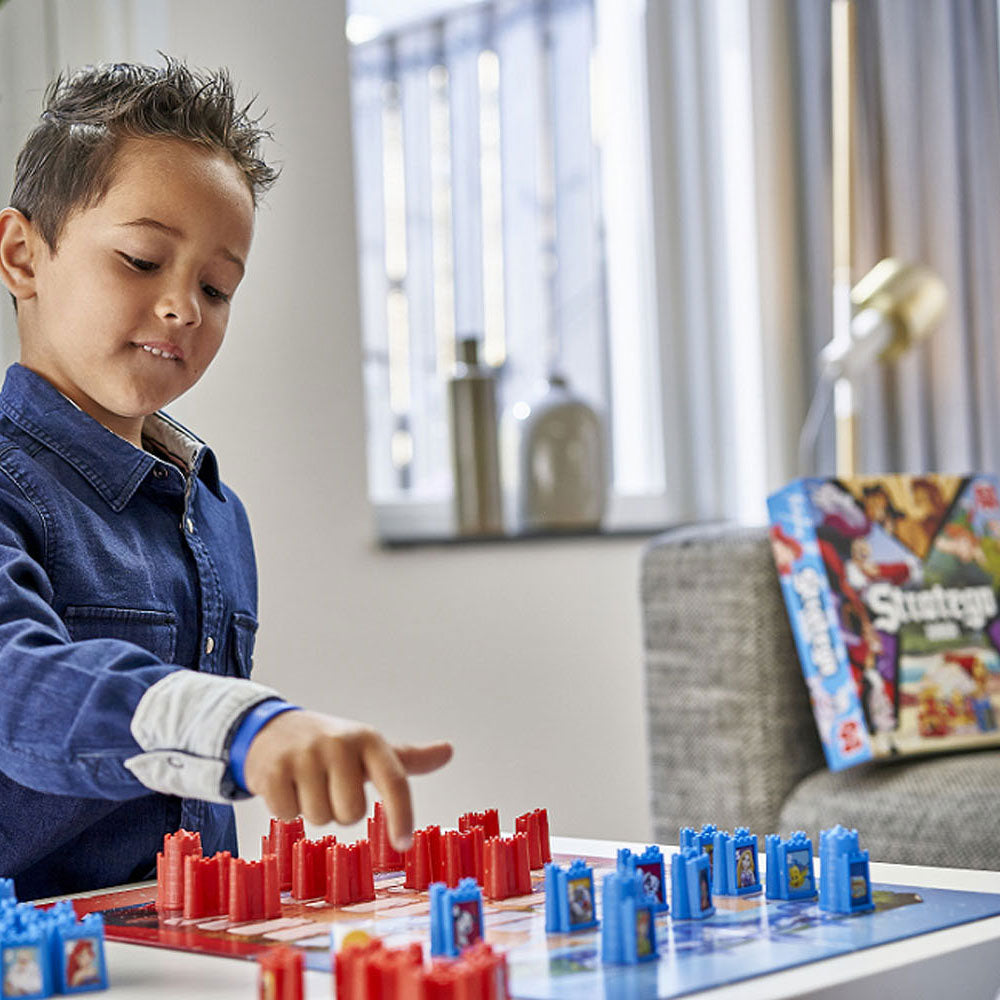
(309, 867)
(423, 862)
(170, 868)
(478, 975)
(485, 972)
(385, 858)
(283, 834)
(506, 870)
(488, 820)
(206, 885)
(349, 876)
(253, 889)
(370, 971)
(463, 855)
(281, 974)
(536, 825)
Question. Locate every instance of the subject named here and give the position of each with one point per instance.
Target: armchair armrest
(730, 727)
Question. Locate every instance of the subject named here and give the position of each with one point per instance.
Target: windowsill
(431, 523)
(401, 542)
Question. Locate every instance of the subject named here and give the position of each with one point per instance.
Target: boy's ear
(17, 247)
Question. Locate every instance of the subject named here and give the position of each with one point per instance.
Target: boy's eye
(214, 293)
(138, 263)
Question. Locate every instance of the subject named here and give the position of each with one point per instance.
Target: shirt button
(190, 526)
(159, 472)
(209, 645)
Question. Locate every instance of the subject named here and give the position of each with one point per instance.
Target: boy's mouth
(169, 352)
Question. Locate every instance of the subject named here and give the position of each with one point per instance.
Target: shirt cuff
(183, 723)
(252, 723)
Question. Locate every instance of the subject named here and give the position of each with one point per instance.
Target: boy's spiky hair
(67, 161)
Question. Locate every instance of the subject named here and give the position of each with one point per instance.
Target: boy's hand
(313, 765)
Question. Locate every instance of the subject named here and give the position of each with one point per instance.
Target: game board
(747, 936)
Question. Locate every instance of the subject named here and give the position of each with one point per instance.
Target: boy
(127, 580)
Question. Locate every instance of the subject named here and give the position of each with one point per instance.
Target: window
(490, 152)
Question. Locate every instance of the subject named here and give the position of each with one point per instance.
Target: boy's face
(131, 308)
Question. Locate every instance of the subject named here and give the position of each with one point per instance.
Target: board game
(746, 937)
(891, 585)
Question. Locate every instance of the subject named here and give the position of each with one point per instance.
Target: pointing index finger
(386, 772)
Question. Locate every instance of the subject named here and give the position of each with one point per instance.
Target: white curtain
(39, 38)
(927, 187)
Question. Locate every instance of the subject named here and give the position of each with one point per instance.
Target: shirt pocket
(242, 636)
(154, 631)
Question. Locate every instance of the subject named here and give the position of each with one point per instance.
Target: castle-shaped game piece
(47, 951)
(691, 884)
(628, 928)
(649, 867)
(385, 858)
(456, 917)
(569, 898)
(735, 871)
(281, 972)
(536, 825)
(703, 840)
(845, 883)
(506, 867)
(278, 841)
(789, 872)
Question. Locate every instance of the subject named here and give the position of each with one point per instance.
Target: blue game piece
(691, 885)
(42, 951)
(650, 868)
(628, 930)
(456, 917)
(735, 871)
(790, 867)
(704, 841)
(845, 883)
(81, 967)
(25, 961)
(6, 888)
(569, 898)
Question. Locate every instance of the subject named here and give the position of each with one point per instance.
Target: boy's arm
(68, 709)
(104, 718)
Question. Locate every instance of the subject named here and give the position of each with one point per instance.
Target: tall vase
(474, 451)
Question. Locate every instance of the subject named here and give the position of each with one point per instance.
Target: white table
(960, 963)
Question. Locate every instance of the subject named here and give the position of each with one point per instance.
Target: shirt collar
(112, 465)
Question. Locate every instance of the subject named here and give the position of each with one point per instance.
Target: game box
(891, 588)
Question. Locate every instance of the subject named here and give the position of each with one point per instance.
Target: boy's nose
(178, 306)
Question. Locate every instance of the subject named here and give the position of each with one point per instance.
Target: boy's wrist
(246, 729)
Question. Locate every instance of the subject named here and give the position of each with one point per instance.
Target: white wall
(527, 655)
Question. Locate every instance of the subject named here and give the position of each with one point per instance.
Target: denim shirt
(128, 609)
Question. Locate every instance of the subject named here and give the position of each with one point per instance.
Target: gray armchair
(731, 733)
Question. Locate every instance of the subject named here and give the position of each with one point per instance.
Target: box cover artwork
(891, 587)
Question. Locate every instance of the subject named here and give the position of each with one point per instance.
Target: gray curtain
(927, 188)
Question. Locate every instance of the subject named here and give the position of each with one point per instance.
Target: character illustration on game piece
(798, 870)
(652, 886)
(746, 870)
(81, 963)
(22, 972)
(643, 933)
(581, 902)
(859, 883)
(466, 922)
(705, 892)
